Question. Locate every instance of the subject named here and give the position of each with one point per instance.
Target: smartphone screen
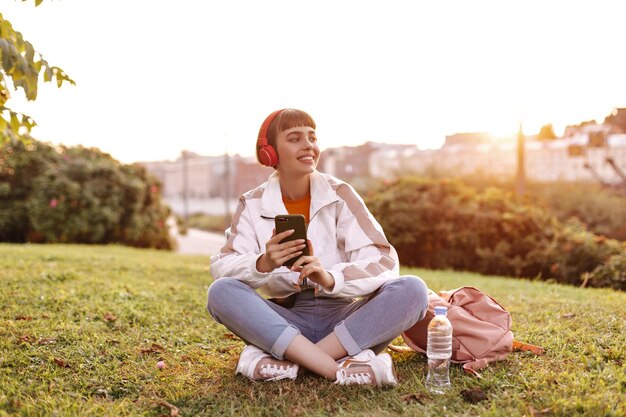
(297, 223)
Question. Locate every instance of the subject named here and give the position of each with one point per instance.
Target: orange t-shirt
(301, 206)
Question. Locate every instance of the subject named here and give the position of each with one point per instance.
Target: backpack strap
(527, 347)
(473, 367)
(397, 348)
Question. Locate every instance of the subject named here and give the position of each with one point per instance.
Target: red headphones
(266, 154)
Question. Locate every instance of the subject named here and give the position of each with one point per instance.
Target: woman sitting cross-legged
(337, 308)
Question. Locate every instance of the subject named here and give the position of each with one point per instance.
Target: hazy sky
(154, 77)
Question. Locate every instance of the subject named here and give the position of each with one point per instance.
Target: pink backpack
(481, 328)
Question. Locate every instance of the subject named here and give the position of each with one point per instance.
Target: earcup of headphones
(267, 156)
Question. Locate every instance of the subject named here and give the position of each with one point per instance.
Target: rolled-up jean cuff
(346, 339)
(284, 340)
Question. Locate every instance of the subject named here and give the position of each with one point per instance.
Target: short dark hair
(287, 119)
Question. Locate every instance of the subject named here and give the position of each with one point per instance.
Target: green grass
(82, 328)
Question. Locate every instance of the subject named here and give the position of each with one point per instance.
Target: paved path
(198, 242)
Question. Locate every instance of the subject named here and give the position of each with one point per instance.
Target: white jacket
(349, 242)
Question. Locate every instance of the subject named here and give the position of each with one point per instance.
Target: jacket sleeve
(237, 259)
(371, 260)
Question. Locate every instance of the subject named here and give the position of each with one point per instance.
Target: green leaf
(30, 52)
(27, 122)
(6, 30)
(61, 76)
(47, 74)
(9, 57)
(6, 55)
(4, 91)
(15, 123)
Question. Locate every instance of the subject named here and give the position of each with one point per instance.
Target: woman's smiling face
(298, 151)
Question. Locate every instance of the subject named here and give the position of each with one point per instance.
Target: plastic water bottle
(439, 351)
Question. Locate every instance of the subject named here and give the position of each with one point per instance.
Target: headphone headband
(265, 127)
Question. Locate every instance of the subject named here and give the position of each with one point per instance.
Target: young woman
(334, 310)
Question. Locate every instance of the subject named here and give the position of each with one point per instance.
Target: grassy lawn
(83, 327)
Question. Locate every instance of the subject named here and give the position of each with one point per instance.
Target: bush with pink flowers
(78, 195)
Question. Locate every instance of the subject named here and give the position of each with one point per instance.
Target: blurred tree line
(78, 195)
(600, 209)
(440, 223)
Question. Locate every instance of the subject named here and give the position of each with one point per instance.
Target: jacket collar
(272, 204)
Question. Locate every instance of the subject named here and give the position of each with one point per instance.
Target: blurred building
(352, 162)
(206, 184)
(586, 152)
(589, 153)
(616, 120)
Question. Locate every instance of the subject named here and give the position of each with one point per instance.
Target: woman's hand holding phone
(276, 253)
(310, 267)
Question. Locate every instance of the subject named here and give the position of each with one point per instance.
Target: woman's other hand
(310, 267)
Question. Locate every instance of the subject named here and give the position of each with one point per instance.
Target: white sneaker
(367, 368)
(260, 366)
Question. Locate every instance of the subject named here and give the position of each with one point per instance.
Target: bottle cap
(441, 311)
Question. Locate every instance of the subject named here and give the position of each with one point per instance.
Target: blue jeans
(359, 324)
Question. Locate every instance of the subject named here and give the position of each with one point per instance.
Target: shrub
(182, 226)
(412, 213)
(441, 224)
(446, 224)
(209, 223)
(610, 274)
(575, 251)
(20, 165)
(78, 195)
(602, 210)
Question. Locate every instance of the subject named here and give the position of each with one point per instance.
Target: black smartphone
(297, 223)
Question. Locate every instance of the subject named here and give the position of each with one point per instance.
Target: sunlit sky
(155, 77)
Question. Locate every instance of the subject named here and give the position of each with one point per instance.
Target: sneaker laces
(272, 370)
(360, 378)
